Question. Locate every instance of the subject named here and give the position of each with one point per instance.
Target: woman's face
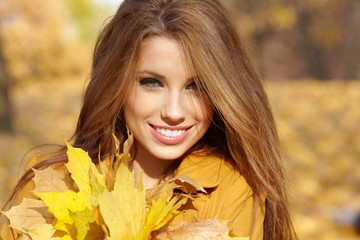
(164, 109)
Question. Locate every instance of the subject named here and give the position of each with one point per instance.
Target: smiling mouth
(169, 132)
(170, 135)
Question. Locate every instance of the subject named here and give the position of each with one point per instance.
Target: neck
(152, 169)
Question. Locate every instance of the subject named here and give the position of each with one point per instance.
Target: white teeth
(170, 133)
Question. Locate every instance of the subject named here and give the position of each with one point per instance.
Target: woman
(177, 75)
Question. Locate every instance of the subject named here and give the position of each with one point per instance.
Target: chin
(168, 155)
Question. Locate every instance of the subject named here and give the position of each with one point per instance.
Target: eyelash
(150, 83)
(154, 83)
(192, 87)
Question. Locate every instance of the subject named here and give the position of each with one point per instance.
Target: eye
(192, 87)
(150, 83)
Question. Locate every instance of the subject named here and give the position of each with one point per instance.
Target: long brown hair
(243, 126)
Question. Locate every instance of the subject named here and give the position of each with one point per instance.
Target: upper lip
(171, 127)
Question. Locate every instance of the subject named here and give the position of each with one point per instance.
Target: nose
(173, 111)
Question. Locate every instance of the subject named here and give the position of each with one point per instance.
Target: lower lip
(169, 140)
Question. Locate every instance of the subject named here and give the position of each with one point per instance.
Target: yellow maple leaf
(60, 204)
(125, 154)
(166, 188)
(30, 214)
(49, 180)
(43, 232)
(79, 165)
(160, 213)
(74, 210)
(82, 221)
(123, 209)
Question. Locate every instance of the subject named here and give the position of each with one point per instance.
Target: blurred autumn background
(308, 52)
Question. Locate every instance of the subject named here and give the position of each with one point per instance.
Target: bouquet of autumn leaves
(104, 202)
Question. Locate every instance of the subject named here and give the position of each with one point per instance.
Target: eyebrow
(159, 76)
(154, 74)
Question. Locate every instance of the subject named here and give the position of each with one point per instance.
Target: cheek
(138, 106)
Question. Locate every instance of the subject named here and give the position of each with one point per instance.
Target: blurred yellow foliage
(282, 17)
(317, 4)
(325, 35)
(319, 130)
(39, 45)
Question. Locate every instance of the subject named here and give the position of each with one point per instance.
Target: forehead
(161, 54)
(160, 46)
(160, 43)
